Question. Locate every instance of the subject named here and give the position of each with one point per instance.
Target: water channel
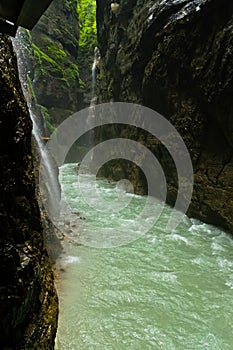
(171, 291)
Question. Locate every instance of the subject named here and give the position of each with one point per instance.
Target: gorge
(166, 290)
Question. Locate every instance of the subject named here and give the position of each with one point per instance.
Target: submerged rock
(175, 57)
(28, 300)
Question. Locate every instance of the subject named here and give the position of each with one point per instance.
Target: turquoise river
(162, 291)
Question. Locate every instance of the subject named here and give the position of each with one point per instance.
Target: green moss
(46, 63)
(69, 4)
(56, 52)
(71, 72)
(30, 89)
(56, 63)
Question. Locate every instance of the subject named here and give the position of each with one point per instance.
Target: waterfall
(93, 71)
(48, 176)
(93, 99)
(93, 82)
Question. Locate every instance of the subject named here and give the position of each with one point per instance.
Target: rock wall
(54, 71)
(28, 300)
(58, 53)
(175, 57)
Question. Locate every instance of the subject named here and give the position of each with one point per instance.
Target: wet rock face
(176, 57)
(52, 71)
(58, 55)
(28, 300)
(56, 35)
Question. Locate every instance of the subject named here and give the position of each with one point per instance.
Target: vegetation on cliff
(87, 42)
(53, 63)
(59, 54)
(87, 23)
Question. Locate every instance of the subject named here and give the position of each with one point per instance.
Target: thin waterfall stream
(93, 96)
(48, 171)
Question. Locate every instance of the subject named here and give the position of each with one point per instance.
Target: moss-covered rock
(59, 55)
(55, 72)
(50, 52)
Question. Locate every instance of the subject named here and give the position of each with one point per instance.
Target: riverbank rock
(28, 300)
(175, 57)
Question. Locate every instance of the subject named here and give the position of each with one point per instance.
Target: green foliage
(87, 21)
(86, 10)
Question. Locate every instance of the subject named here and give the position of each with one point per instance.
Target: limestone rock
(176, 57)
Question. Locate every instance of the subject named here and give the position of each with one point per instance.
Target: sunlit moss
(56, 52)
(42, 57)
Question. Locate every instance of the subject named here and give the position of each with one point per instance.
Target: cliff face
(175, 57)
(52, 61)
(28, 300)
(58, 55)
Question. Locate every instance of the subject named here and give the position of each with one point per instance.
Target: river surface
(168, 291)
